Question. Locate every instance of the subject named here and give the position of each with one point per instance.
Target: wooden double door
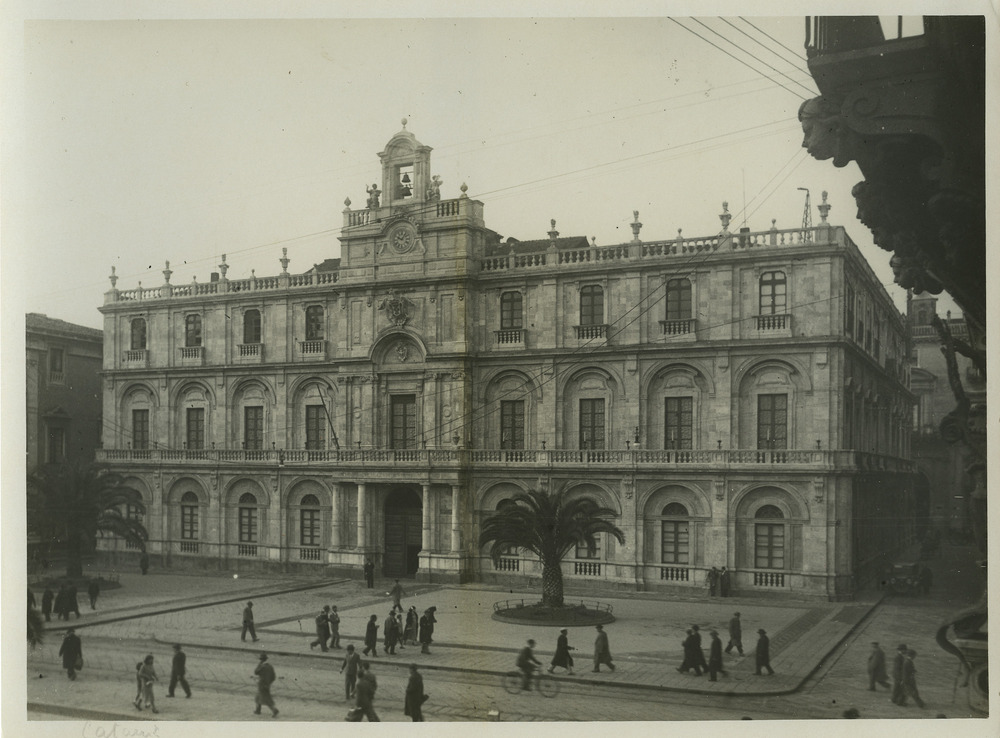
(403, 534)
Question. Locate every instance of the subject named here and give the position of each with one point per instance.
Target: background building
(739, 400)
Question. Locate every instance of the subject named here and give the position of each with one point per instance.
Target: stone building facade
(739, 400)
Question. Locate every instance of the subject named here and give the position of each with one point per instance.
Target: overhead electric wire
(768, 48)
(792, 51)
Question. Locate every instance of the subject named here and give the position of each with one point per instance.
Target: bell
(406, 178)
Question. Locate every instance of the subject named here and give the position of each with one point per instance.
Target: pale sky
(180, 140)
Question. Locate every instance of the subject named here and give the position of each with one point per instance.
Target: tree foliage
(73, 504)
(549, 526)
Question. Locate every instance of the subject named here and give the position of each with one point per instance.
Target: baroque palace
(738, 400)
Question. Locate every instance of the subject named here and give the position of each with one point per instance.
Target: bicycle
(544, 684)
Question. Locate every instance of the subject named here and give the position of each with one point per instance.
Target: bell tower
(406, 165)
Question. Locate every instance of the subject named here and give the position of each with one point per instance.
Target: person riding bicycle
(526, 662)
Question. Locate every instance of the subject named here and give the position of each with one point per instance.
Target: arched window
(592, 305)
(138, 338)
(189, 517)
(769, 538)
(309, 528)
(192, 331)
(251, 326)
(773, 293)
(248, 518)
(679, 299)
(511, 311)
(314, 323)
(582, 552)
(676, 535)
(507, 504)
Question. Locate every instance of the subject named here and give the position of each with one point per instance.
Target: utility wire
(792, 51)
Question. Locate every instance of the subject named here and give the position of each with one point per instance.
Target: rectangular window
(592, 305)
(309, 527)
(511, 312)
(140, 429)
(196, 428)
(676, 545)
(849, 316)
(583, 553)
(315, 427)
(248, 525)
(512, 424)
(192, 331)
(679, 299)
(57, 445)
(403, 432)
(592, 424)
(678, 418)
(772, 421)
(251, 326)
(56, 361)
(769, 546)
(773, 293)
(189, 522)
(253, 428)
(314, 323)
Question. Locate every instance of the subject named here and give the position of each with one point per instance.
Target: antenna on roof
(807, 219)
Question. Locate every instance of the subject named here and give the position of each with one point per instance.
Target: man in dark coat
(322, 629)
(724, 582)
(713, 581)
(427, 621)
(397, 593)
(763, 653)
(93, 590)
(178, 668)
(47, 597)
(390, 632)
(366, 693)
(735, 634)
(248, 623)
(369, 570)
(265, 678)
(699, 654)
(602, 651)
(691, 660)
(71, 650)
(876, 668)
(334, 621)
(898, 694)
(910, 679)
(61, 607)
(715, 657)
(144, 563)
(351, 663)
(72, 603)
(415, 697)
(561, 656)
(371, 636)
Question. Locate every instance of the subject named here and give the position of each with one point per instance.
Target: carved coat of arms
(396, 307)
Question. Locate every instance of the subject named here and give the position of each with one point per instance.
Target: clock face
(402, 239)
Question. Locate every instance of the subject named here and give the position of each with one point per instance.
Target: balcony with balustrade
(509, 338)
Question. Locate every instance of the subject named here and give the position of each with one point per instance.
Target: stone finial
(167, 272)
(679, 236)
(725, 216)
(824, 208)
(593, 241)
(636, 226)
(553, 234)
(404, 121)
(223, 267)
(347, 203)
(464, 188)
(774, 224)
(113, 277)
(284, 260)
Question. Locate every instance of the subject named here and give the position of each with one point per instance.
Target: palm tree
(548, 526)
(74, 503)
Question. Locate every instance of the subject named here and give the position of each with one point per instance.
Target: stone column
(335, 518)
(362, 517)
(455, 530)
(425, 539)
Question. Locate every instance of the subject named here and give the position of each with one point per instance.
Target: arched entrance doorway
(403, 529)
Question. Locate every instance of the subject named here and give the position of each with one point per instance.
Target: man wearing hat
(898, 694)
(715, 657)
(876, 668)
(71, 652)
(910, 679)
(697, 652)
(763, 653)
(562, 657)
(735, 634)
(427, 621)
(178, 667)
(265, 678)
(322, 629)
(248, 623)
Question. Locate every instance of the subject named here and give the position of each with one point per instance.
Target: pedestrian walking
(47, 597)
(371, 636)
(147, 675)
(713, 581)
(93, 590)
(698, 652)
(910, 680)
(333, 620)
(415, 698)
(763, 653)
(397, 593)
(715, 657)
(351, 662)
(390, 631)
(366, 693)
(71, 651)
(322, 629)
(602, 651)
(876, 668)
(248, 624)
(526, 663)
(691, 660)
(62, 602)
(427, 621)
(265, 678)
(410, 628)
(144, 563)
(72, 601)
(138, 686)
(178, 668)
(724, 582)
(735, 634)
(369, 569)
(898, 693)
(398, 616)
(562, 657)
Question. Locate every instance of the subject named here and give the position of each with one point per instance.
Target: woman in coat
(427, 621)
(561, 656)
(71, 651)
(602, 651)
(415, 697)
(410, 629)
(147, 675)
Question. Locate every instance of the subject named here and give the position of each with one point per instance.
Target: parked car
(904, 578)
